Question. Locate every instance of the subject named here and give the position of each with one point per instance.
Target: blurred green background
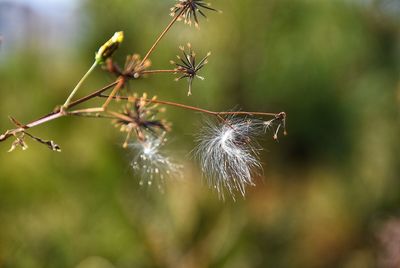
(328, 187)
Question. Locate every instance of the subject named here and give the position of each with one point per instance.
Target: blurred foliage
(333, 66)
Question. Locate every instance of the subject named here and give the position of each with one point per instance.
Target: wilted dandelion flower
(228, 154)
(187, 66)
(150, 163)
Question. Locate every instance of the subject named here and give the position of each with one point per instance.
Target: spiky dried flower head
(187, 66)
(228, 154)
(141, 119)
(109, 47)
(150, 163)
(134, 66)
(189, 10)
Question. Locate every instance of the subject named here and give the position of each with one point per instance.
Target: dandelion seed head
(151, 163)
(228, 154)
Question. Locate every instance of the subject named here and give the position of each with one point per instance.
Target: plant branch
(56, 114)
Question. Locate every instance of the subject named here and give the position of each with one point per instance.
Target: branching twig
(101, 112)
(228, 152)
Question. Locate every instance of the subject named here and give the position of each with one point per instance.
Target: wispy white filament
(150, 163)
(228, 155)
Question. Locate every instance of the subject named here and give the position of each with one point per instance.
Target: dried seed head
(228, 154)
(133, 67)
(189, 10)
(143, 119)
(187, 67)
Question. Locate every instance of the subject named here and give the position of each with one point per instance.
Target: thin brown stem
(44, 120)
(97, 115)
(120, 83)
(248, 113)
(87, 111)
(193, 108)
(160, 71)
(96, 112)
(120, 116)
(162, 35)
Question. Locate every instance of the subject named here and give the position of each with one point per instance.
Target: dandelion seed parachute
(228, 154)
(150, 163)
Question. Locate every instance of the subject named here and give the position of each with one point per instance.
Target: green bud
(106, 50)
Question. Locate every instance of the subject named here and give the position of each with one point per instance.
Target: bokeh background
(330, 193)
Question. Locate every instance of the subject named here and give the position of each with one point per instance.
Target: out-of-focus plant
(227, 150)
